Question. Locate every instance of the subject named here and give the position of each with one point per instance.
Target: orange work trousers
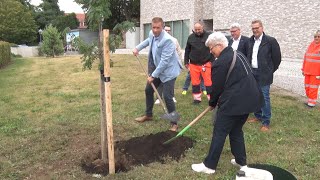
(195, 72)
(311, 85)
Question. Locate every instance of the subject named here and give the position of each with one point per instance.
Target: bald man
(197, 59)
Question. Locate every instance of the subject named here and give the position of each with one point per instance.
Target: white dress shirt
(255, 50)
(154, 47)
(235, 43)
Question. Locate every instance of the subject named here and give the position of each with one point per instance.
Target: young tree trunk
(103, 115)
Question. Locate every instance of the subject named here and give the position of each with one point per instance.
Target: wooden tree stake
(108, 101)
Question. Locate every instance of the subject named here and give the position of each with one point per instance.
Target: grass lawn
(50, 120)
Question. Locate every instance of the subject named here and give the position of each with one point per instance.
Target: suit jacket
(238, 95)
(243, 44)
(269, 58)
(166, 64)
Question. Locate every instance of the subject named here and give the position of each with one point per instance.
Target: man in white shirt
(238, 41)
(265, 57)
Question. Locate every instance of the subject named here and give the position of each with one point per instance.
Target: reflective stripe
(312, 60)
(309, 54)
(197, 96)
(312, 100)
(311, 86)
(208, 96)
(311, 104)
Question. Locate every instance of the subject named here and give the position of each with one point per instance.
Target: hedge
(5, 53)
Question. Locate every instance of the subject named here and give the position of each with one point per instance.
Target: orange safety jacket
(311, 62)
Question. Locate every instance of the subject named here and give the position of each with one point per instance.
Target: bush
(16, 55)
(52, 44)
(5, 53)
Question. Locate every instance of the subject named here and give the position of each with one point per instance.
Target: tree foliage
(27, 4)
(116, 11)
(52, 44)
(68, 20)
(47, 12)
(123, 10)
(90, 52)
(17, 24)
(96, 11)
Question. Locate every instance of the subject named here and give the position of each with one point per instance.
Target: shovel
(154, 88)
(189, 125)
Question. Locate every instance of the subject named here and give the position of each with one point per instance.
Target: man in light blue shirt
(163, 68)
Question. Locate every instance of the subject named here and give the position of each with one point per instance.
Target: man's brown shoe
(143, 119)
(174, 128)
(265, 128)
(251, 120)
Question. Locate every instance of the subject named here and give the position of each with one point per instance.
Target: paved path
(289, 76)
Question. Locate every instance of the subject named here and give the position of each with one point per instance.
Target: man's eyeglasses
(316, 36)
(255, 28)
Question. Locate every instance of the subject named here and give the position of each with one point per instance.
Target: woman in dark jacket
(235, 94)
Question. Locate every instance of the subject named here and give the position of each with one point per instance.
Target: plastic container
(253, 174)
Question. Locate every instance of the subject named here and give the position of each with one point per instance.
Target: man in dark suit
(264, 55)
(235, 94)
(238, 41)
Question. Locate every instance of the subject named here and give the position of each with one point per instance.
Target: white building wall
(25, 51)
(133, 38)
(291, 22)
(168, 10)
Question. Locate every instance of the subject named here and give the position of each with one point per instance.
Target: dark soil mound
(139, 151)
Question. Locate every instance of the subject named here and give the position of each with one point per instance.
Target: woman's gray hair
(217, 38)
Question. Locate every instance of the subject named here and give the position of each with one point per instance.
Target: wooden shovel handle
(154, 88)
(200, 116)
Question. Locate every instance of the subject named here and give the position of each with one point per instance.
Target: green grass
(50, 120)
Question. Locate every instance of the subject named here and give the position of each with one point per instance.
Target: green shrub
(5, 53)
(52, 44)
(16, 55)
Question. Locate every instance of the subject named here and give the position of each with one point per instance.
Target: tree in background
(17, 24)
(118, 11)
(123, 10)
(52, 44)
(68, 20)
(27, 4)
(47, 12)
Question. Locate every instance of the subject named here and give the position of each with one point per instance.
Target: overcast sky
(68, 6)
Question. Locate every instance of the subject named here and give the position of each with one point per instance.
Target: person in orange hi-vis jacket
(311, 70)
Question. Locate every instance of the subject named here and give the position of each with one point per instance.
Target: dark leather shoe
(143, 119)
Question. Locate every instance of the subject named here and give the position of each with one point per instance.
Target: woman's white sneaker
(233, 162)
(202, 168)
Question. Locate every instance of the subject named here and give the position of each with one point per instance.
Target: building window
(179, 30)
(146, 30)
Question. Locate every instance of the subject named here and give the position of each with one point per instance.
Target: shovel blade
(172, 139)
(178, 135)
(173, 117)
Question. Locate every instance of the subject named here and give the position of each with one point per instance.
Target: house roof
(82, 20)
